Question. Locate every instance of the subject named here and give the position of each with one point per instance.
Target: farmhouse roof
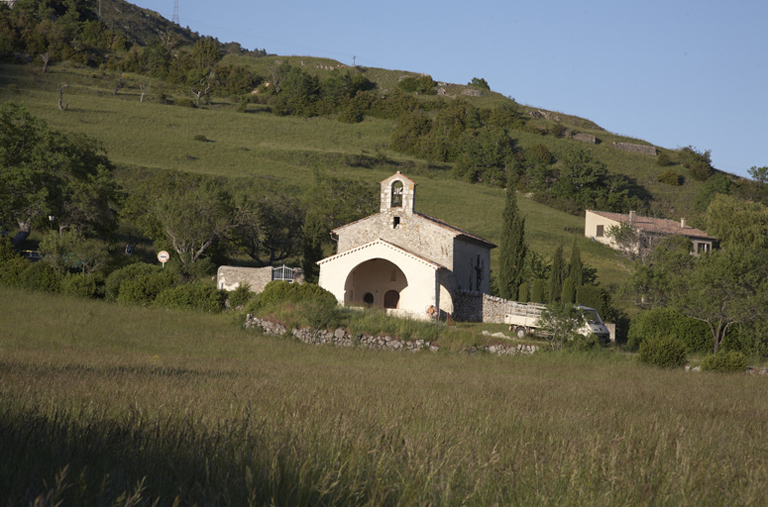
(655, 225)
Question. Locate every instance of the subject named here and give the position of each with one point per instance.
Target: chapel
(404, 261)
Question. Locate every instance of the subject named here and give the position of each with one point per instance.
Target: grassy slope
(210, 412)
(282, 153)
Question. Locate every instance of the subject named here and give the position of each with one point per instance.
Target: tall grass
(160, 405)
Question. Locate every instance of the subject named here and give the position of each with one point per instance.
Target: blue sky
(674, 72)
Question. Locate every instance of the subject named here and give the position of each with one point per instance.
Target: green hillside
(237, 133)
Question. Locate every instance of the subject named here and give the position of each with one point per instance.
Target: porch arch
(378, 277)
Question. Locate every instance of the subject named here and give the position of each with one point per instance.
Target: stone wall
(636, 148)
(229, 277)
(341, 338)
(584, 138)
(469, 306)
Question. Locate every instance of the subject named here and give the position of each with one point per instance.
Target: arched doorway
(377, 283)
(391, 298)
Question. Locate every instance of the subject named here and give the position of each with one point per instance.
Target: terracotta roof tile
(655, 225)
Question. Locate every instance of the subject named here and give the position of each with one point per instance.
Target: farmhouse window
(599, 232)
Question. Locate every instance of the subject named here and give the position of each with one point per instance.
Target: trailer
(523, 319)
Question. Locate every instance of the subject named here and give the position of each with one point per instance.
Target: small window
(395, 222)
(368, 298)
(600, 231)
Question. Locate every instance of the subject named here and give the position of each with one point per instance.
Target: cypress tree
(557, 275)
(576, 271)
(513, 250)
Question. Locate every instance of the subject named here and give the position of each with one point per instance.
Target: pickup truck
(524, 318)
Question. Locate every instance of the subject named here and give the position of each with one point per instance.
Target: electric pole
(176, 11)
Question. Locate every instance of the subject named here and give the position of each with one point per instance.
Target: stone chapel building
(405, 261)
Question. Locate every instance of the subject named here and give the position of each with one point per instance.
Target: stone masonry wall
(471, 306)
(340, 337)
(229, 277)
(636, 148)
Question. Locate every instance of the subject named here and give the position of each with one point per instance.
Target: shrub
(537, 291)
(117, 277)
(192, 296)
(40, 276)
(727, 362)
(421, 84)
(539, 153)
(670, 177)
(88, 285)
(663, 160)
(11, 271)
(695, 335)
(143, 289)
(240, 296)
(184, 102)
(277, 292)
(581, 343)
(201, 138)
(665, 351)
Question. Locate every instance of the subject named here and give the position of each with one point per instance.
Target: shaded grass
(203, 411)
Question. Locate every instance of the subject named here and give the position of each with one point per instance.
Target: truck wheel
(521, 332)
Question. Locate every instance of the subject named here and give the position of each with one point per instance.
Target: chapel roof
(455, 230)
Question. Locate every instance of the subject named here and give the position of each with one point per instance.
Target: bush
(670, 177)
(40, 276)
(11, 271)
(240, 296)
(184, 102)
(192, 296)
(695, 335)
(143, 289)
(277, 292)
(116, 278)
(665, 351)
(727, 362)
(88, 285)
(663, 160)
(201, 138)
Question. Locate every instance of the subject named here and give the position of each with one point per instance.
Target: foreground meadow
(103, 404)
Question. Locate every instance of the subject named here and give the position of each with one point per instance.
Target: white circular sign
(163, 256)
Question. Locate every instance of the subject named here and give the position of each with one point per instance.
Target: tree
(559, 322)
(513, 248)
(479, 83)
(737, 222)
(332, 202)
(557, 275)
(189, 212)
(44, 173)
(759, 174)
(269, 229)
(658, 282)
(725, 288)
(575, 267)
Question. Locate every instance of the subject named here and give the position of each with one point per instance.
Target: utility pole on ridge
(176, 11)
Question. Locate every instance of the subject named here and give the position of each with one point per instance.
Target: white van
(524, 318)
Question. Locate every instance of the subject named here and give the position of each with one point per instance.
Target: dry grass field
(103, 405)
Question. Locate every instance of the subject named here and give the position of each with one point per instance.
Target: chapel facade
(404, 261)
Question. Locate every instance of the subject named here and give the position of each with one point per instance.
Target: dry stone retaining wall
(636, 148)
(341, 338)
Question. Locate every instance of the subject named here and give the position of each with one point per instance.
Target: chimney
(632, 217)
(682, 223)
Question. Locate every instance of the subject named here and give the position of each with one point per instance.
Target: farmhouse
(647, 230)
(405, 261)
